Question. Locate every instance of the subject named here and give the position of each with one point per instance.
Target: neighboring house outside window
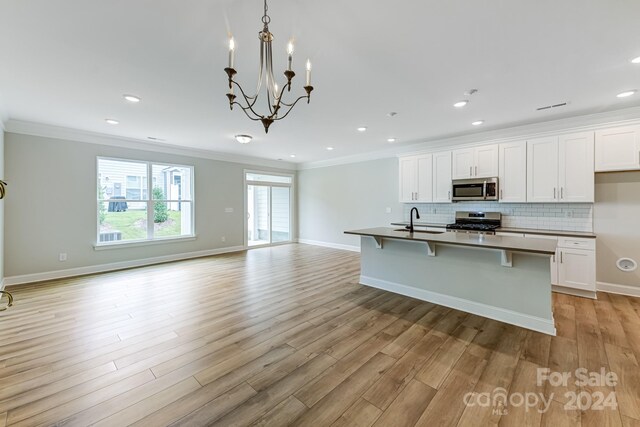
(127, 213)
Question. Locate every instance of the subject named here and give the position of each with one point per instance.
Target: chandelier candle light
(278, 109)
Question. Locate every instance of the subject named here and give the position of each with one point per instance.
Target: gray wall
(346, 197)
(51, 205)
(615, 220)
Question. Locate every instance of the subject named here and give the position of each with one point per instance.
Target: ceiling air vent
(548, 107)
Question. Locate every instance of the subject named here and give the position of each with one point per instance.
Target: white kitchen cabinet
(424, 187)
(408, 179)
(486, 159)
(416, 179)
(576, 179)
(476, 162)
(442, 177)
(542, 169)
(561, 169)
(617, 149)
(513, 172)
(574, 264)
(462, 163)
(576, 269)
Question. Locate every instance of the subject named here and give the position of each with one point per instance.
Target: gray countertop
(508, 243)
(563, 233)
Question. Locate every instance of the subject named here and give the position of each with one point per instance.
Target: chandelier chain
(266, 19)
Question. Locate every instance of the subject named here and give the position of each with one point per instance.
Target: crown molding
(58, 132)
(582, 123)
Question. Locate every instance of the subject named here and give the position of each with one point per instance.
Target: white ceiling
(68, 63)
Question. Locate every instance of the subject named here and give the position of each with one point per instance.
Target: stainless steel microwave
(475, 189)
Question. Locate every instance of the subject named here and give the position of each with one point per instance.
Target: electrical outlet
(568, 214)
(223, 239)
(228, 210)
(388, 210)
(62, 257)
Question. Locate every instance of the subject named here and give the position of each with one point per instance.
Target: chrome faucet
(410, 226)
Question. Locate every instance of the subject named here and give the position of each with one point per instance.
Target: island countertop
(505, 243)
(563, 233)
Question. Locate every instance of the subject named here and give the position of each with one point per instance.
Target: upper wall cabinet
(513, 172)
(561, 169)
(416, 179)
(442, 177)
(576, 177)
(476, 162)
(618, 149)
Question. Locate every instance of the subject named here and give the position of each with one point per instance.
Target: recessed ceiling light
(636, 60)
(131, 98)
(391, 140)
(329, 148)
(111, 121)
(461, 104)
(392, 114)
(477, 122)
(626, 93)
(292, 155)
(243, 139)
(362, 129)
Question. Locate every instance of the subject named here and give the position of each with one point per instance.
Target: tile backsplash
(542, 216)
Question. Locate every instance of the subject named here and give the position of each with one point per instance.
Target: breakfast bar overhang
(499, 277)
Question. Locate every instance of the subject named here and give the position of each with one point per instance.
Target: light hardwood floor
(286, 335)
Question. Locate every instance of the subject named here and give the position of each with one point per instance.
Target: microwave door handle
(484, 190)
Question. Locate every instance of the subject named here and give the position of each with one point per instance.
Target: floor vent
(548, 107)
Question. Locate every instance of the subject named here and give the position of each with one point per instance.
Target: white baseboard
(539, 324)
(330, 245)
(612, 288)
(575, 292)
(92, 269)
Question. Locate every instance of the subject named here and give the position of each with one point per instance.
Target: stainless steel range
(476, 222)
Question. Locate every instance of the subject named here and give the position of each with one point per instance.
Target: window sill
(136, 243)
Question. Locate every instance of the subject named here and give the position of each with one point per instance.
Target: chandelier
(278, 109)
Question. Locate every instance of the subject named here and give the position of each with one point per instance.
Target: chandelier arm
(244, 109)
(291, 108)
(249, 104)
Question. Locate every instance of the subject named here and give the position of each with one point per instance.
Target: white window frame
(292, 196)
(150, 239)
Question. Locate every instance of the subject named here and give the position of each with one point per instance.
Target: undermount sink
(419, 231)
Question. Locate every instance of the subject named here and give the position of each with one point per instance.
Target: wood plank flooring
(287, 336)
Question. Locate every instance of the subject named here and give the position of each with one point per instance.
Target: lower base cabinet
(574, 264)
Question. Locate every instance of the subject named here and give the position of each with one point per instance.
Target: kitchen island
(500, 277)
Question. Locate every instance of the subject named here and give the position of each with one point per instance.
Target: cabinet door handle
(560, 257)
(500, 194)
(554, 257)
(476, 171)
(554, 193)
(470, 170)
(449, 195)
(562, 192)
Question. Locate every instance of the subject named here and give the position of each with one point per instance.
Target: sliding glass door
(268, 208)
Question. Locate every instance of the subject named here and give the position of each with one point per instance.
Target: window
(127, 212)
